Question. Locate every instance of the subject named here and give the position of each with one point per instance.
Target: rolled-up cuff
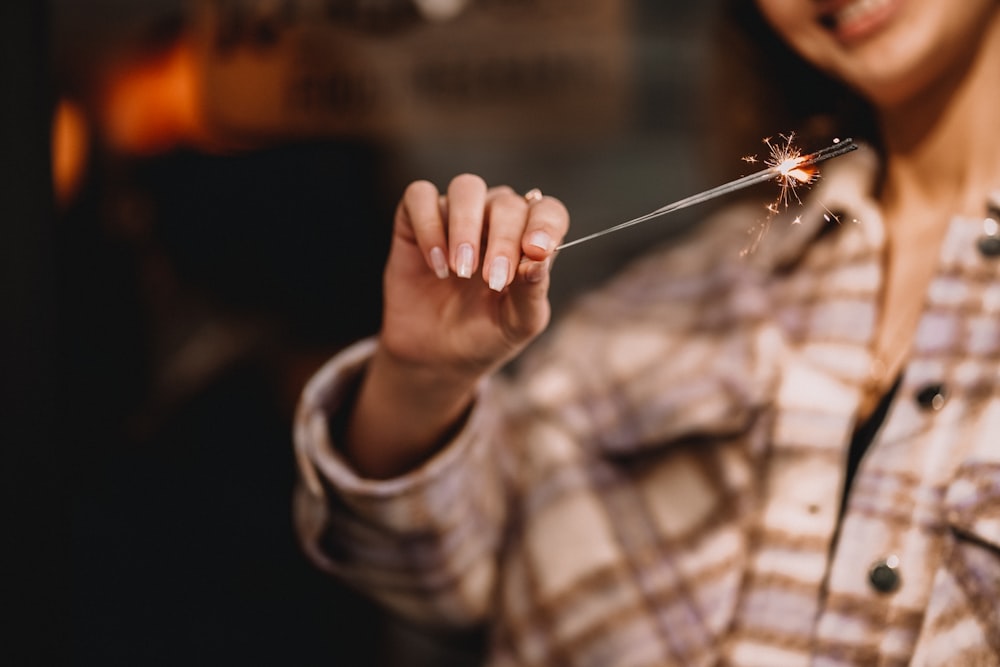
(388, 501)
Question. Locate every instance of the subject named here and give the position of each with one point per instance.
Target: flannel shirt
(661, 481)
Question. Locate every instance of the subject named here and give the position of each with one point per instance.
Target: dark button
(884, 574)
(932, 396)
(989, 242)
(989, 246)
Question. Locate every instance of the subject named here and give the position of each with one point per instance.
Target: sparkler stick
(787, 166)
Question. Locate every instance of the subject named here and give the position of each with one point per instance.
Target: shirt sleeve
(424, 544)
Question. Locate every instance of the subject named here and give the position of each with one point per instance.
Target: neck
(943, 147)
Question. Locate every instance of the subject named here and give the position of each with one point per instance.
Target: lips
(855, 19)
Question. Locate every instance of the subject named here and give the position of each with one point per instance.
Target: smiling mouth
(854, 19)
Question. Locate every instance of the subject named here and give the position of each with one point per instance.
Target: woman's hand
(466, 289)
(466, 283)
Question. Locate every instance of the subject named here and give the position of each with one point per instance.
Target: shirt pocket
(972, 511)
(972, 503)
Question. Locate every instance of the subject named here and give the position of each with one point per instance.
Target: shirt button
(884, 574)
(989, 242)
(932, 397)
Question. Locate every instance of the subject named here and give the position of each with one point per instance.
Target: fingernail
(498, 273)
(537, 271)
(540, 240)
(463, 263)
(439, 263)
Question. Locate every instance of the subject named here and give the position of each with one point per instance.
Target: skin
(446, 328)
(932, 72)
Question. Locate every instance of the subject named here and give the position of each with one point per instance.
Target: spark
(787, 159)
(792, 170)
(786, 164)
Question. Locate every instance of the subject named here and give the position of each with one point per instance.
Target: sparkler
(786, 164)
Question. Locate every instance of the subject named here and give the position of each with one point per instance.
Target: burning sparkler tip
(786, 164)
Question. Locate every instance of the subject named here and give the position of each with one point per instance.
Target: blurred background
(198, 200)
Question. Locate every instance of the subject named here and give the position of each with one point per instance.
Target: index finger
(548, 222)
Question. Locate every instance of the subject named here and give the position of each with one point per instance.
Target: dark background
(159, 323)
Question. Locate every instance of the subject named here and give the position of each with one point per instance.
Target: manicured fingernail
(439, 263)
(540, 240)
(463, 263)
(498, 273)
(537, 271)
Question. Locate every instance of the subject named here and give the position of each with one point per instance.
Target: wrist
(403, 413)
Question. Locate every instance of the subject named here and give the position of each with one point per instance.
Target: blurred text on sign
(503, 69)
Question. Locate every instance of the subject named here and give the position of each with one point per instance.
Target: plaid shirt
(661, 482)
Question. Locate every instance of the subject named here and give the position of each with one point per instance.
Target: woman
(792, 459)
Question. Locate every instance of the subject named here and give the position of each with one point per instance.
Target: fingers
(527, 227)
(547, 224)
(450, 230)
(507, 214)
(447, 229)
(528, 309)
(466, 209)
(419, 219)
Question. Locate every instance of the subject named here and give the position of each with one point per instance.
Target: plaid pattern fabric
(660, 483)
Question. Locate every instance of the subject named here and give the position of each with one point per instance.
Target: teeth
(858, 9)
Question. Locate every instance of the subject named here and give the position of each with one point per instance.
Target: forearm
(397, 539)
(402, 415)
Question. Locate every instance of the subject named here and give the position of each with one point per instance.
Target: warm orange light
(156, 104)
(69, 145)
(791, 169)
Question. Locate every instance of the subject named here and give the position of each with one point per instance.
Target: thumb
(528, 308)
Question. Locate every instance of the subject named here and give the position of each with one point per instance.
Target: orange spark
(787, 159)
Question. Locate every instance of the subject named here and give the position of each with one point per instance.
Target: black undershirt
(863, 436)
